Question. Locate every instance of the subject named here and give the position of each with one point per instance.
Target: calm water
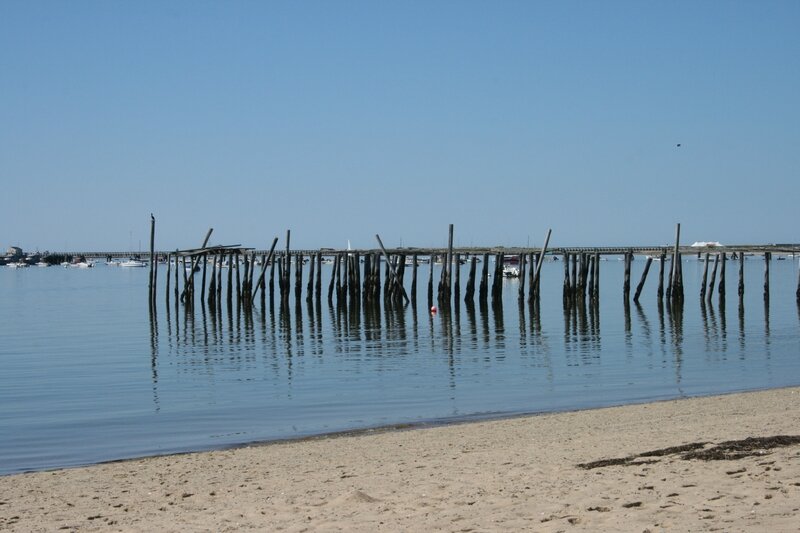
(88, 375)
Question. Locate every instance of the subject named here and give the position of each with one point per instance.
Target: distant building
(14, 252)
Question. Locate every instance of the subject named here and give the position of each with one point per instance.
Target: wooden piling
(414, 278)
(152, 284)
(203, 282)
(640, 286)
(767, 258)
(626, 284)
(469, 293)
(674, 272)
(539, 263)
(721, 286)
(268, 261)
(713, 278)
(169, 274)
(705, 279)
(310, 288)
(741, 276)
(430, 282)
(662, 260)
(483, 287)
(392, 270)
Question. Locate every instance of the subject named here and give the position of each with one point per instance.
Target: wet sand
(578, 471)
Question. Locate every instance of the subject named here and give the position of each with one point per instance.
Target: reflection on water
(108, 379)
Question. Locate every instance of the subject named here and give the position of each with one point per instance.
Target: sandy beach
(577, 471)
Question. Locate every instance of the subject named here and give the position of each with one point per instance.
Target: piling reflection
(372, 322)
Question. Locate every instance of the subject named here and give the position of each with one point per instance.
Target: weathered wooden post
(626, 284)
(470, 291)
(767, 258)
(705, 279)
(721, 288)
(152, 285)
(713, 278)
(268, 260)
(539, 262)
(190, 285)
(414, 278)
(674, 274)
(640, 286)
(169, 274)
(203, 283)
(395, 280)
(482, 288)
(662, 259)
(741, 276)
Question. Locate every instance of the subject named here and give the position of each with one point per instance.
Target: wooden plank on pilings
(741, 276)
(482, 288)
(469, 293)
(391, 269)
(711, 283)
(640, 286)
(190, 285)
(270, 260)
(721, 286)
(767, 258)
(152, 284)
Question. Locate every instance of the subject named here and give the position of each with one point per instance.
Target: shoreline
(519, 472)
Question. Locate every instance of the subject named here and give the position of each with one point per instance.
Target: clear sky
(342, 119)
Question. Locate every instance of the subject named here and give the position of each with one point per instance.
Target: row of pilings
(369, 276)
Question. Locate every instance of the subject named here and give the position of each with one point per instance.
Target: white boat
(42, 264)
(133, 263)
(20, 264)
(510, 272)
(84, 264)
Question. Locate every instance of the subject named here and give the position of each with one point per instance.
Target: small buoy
(433, 309)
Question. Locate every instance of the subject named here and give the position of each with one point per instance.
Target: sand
(518, 474)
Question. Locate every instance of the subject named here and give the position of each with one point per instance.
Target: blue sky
(340, 120)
